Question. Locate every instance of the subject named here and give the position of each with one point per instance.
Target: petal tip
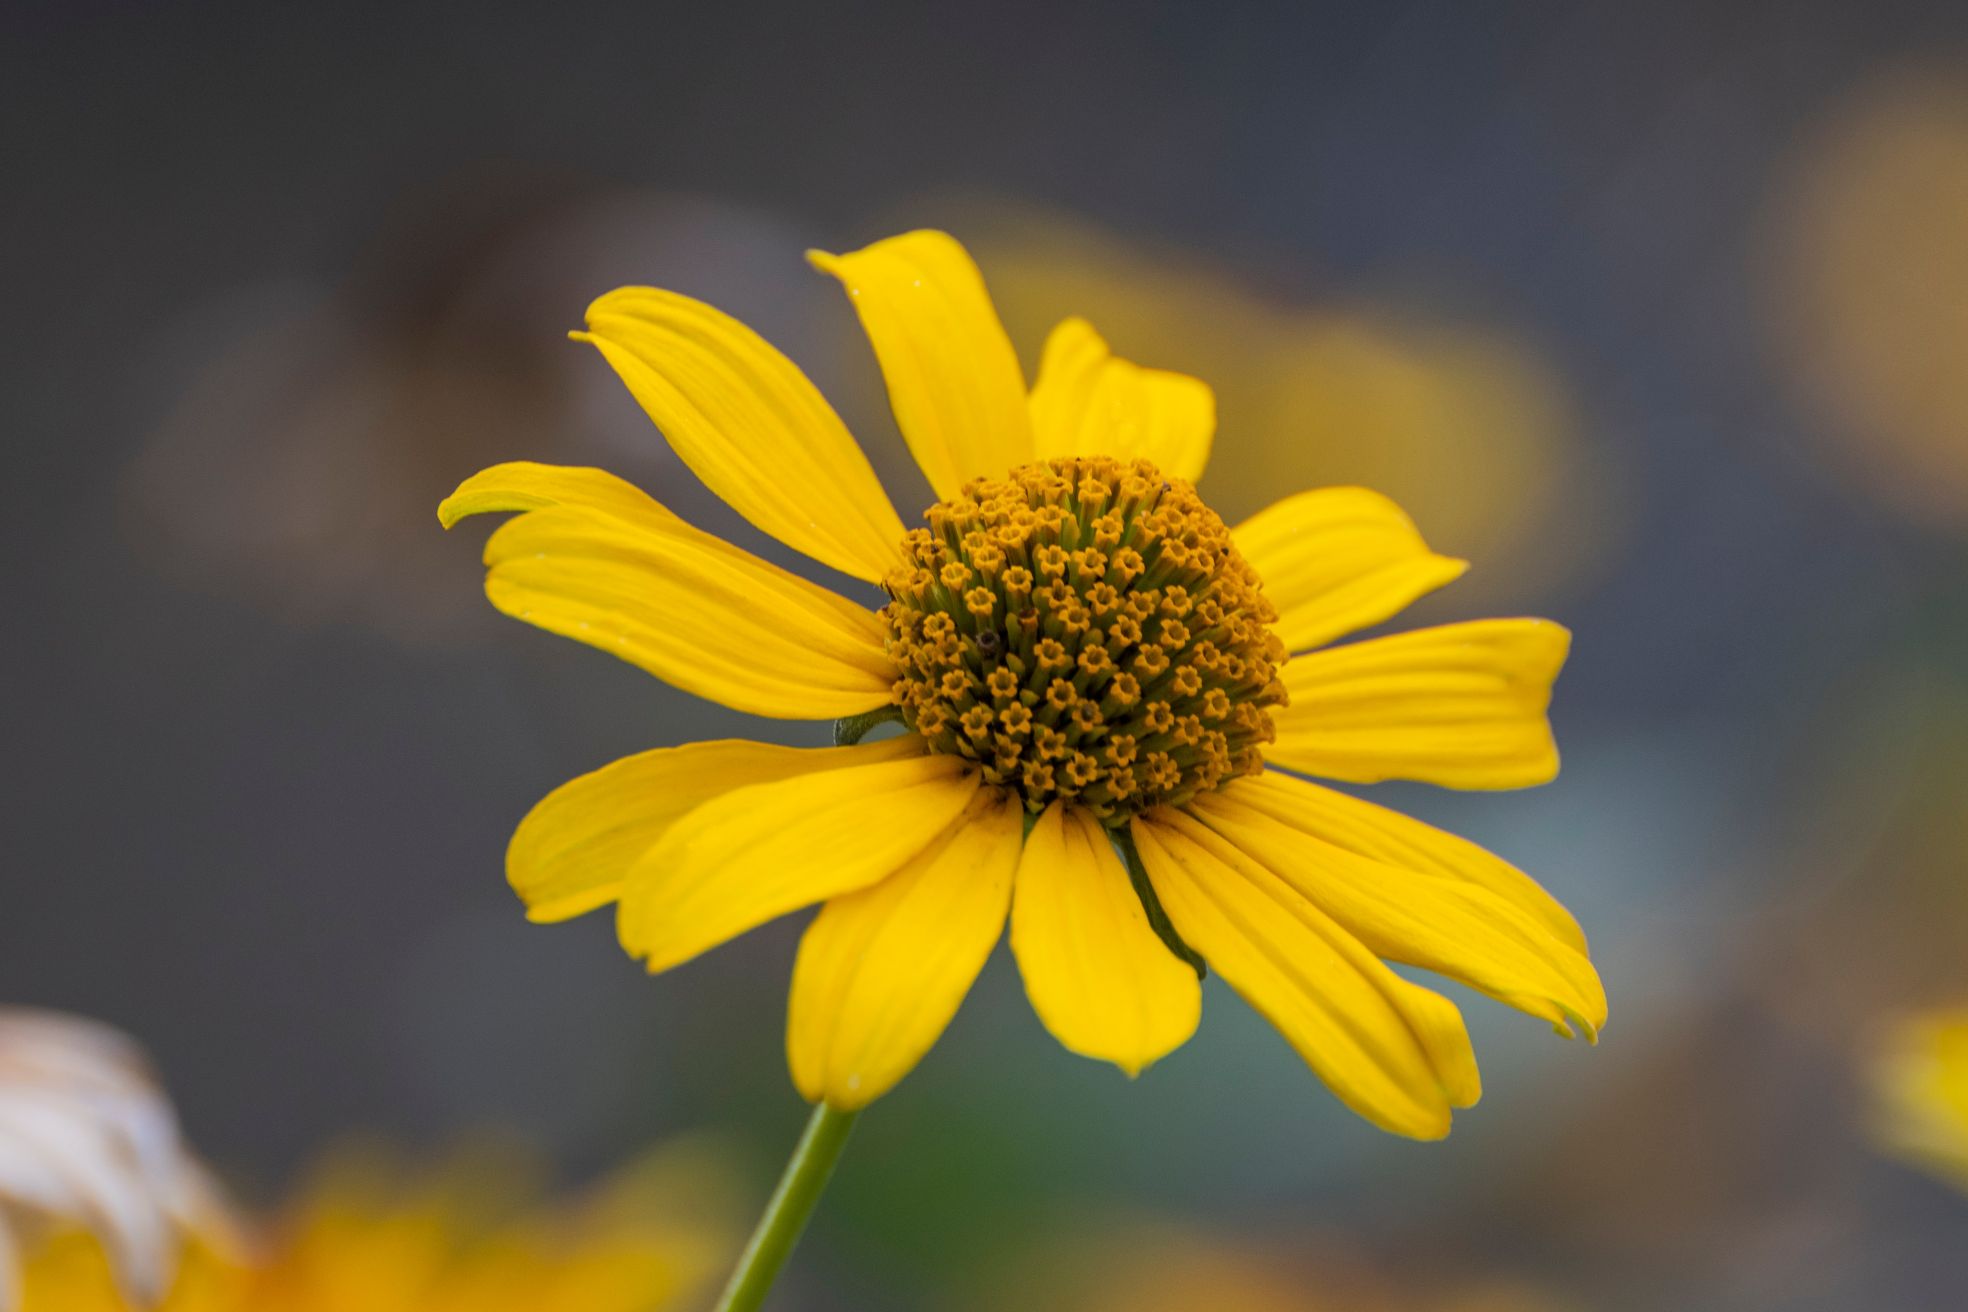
(1134, 1066)
(459, 505)
(1546, 770)
(609, 302)
(1433, 1129)
(1558, 640)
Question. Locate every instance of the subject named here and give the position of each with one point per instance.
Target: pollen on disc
(1085, 629)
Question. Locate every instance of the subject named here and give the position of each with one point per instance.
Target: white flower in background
(88, 1141)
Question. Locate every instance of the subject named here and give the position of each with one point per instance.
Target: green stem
(791, 1206)
(819, 1147)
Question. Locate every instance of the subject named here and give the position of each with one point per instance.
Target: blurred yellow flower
(1095, 674)
(1920, 1093)
(1869, 286)
(1469, 426)
(368, 1237)
(1159, 1267)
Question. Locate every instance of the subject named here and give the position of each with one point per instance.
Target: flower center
(1085, 629)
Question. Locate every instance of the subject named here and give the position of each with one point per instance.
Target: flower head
(1085, 631)
(1100, 683)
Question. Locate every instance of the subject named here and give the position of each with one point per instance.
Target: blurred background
(1660, 314)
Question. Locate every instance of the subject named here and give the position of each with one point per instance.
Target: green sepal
(1157, 917)
(851, 729)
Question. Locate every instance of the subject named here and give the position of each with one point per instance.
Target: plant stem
(819, 1147)
(791, 1206)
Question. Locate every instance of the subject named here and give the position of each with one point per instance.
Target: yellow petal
(572, 851)
(522, 485)
(1339, 559)
(1090, 402)
(1449, 926)
(693, 610)
(953, 379)
(1392, 1051)
(751, 425)
(1098, 975)
(757, 853)
(1462, 705)
(881, 972)
(1398, 840)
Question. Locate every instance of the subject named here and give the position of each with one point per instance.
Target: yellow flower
(1093, 673)
(1124, 1264)
(1468, 425)
(374, 1239)
(1920, 1093)
(1867, 278)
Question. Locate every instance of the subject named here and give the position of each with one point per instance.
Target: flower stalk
(791, 1207)
(812, 1162)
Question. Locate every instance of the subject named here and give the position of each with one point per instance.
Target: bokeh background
(1659, 313)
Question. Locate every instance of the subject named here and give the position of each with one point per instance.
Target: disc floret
(1085, 629)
